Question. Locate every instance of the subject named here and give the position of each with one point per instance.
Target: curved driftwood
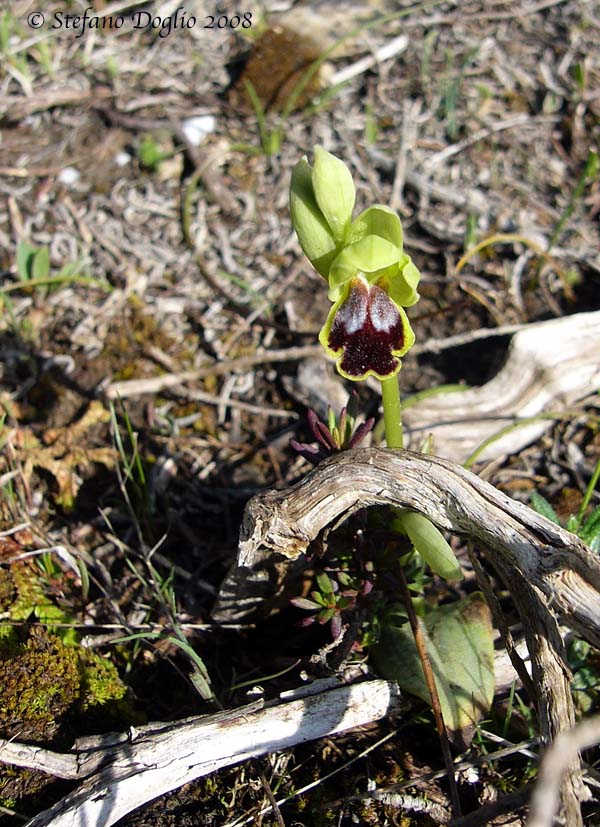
(550, 365)
(548, 570)
(143, 764)
(278, 527)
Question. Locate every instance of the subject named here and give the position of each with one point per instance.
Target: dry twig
(133, 768)
(563, 753)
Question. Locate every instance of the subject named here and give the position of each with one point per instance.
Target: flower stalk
(392, 412)
(371, 282)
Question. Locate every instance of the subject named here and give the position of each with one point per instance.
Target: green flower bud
(334, 191)
(313, 231)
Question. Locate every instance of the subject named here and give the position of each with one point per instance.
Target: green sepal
(402, 287)
(372, 256)
(334, 191)
(313, 231)
(378, 220)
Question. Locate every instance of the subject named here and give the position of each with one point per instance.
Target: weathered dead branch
(143, 764)
(548, 571)
(278, 527)
(550, 366)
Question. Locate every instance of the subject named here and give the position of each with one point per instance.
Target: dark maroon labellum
(367, 327)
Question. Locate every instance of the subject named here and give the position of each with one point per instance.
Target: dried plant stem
(561, 755)
(432, 688)
(392, 416)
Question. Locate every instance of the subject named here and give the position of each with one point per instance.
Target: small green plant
(372, 280)
(151, 154)
(27, 599)
(587, 528)
(371, 125)
(452, 81)
(270, 138)
(10, 27)
(585, 665)
(338, 434)
(34, 273)
(336, 593)
(33, 263)
(588, 176)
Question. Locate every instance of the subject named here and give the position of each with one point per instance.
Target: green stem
(392, 412)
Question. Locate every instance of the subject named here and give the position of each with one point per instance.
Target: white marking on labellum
(353, 313)
(383, 313)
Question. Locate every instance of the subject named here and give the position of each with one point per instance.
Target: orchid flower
(371, 279)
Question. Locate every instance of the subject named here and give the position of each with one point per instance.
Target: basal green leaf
(460, 646)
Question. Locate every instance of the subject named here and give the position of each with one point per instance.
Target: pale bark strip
(28, 755)
(563, 752)
(546, 568)
(89, 754)
(158, 759)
